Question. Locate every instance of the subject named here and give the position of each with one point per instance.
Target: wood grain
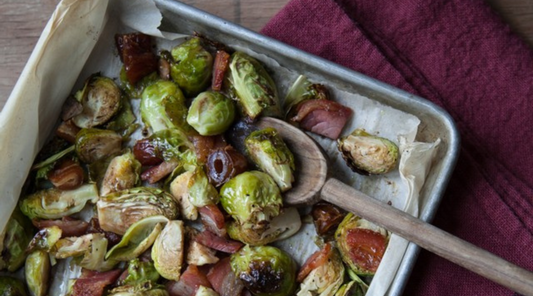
(21, 23)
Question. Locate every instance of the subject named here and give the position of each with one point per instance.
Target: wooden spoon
(312, 183)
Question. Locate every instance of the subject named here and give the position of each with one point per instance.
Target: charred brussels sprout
(361, 244)
(191, 66)
(265, 270)
(167, 251)
(268, 151)
(19, 232)
(121, 174)
(251, 197)
(45, 239)
(302, 90)
(163, 106)
(252, 86)
(118, 211)
(94, 144)
(37, 272)
(54, 203)
(211, 113)
(10, 286)
(368, 154)
(100, 98)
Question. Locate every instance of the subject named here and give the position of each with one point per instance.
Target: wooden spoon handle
(429, 237)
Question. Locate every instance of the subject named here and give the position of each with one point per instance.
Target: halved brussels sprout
(284, 225)
(269, 152)
(89, 251)
(45, 239)
(265, 270)
(121, 174)
(124, 120)
(201, 192)
(54, 203)
(356, 287)
(138, 238)
(163, 106)
(146, 289)
(37, 272)
(324, 280)
(361, 243)
(252, 86)
(167, 251)
(10, 286)
(368, 154)
(179, 188)
(48, 164)
(191, 66)
(211, 113)
(118, 211)
(251, 197)
(18, 234)
(93, 144)
(140, 272)
(204, 291)
(100, 98)
(301, 90)
(173, 144)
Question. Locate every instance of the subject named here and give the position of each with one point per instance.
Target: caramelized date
(219, 69)
(204, 145)
(67, 130)
(67, 175)
(156, 173)
(146, 153)
(326, 217)
(224, 164)
(135, 51)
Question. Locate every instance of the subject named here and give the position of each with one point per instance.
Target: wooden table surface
(21, 23)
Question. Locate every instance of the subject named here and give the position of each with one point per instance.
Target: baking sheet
(37, 99)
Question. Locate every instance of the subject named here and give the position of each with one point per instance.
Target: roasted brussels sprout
(100, 98)
(140, 272)
(179, 188)
(324, 280)
(10, 286)
(211, 113)
(356, 287)
(173, 144)
(37, 272)
(18, 234)
(88, 251)
(268, 151)
(367, 154)
(204, 291)
(191, 66)
(118, 211)
(45, 239)
(124, 121)
(138, 238)
(93, 144)
(121, 174)
(301, 90)
(265, 270)
(252, 86)
(361, 244)
(167, 251)
(54, 203)
(45, 166)
(147, 289)
(163, 106)
(251, 198)
(201, 192)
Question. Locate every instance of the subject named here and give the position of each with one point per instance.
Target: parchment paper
(78, 41)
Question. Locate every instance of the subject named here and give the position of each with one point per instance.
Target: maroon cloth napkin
(461, 56)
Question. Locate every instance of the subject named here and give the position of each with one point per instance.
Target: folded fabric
(461, 56)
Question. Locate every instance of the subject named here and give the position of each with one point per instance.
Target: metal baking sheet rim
(176, 12)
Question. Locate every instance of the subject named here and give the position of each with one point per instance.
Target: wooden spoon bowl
(312, 184)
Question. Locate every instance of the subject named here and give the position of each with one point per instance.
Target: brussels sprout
(10, 286)
(118, 211)
(37, 272)
(54, 203)
(179, 188)
(211, 113)
(45, 239)
(163, 106)
(140, 272)
(93, 144)
(173, 144)
(268, 151)
(301, 90)
(284, 225)
(137, 239)
(198, 254)
(265, 270)
(252, 86)
(201, 192)
(191, 66)
(167, 251)
(89, 251)
(121, 174)
(204, 291)
(100, 98)
(135, 91)
(355, 287)
(48, 164)
(18, 234)
(361, 244)
(324, 280)
(124, 120)
(368, 154)
(146, 289)
(251, 197)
